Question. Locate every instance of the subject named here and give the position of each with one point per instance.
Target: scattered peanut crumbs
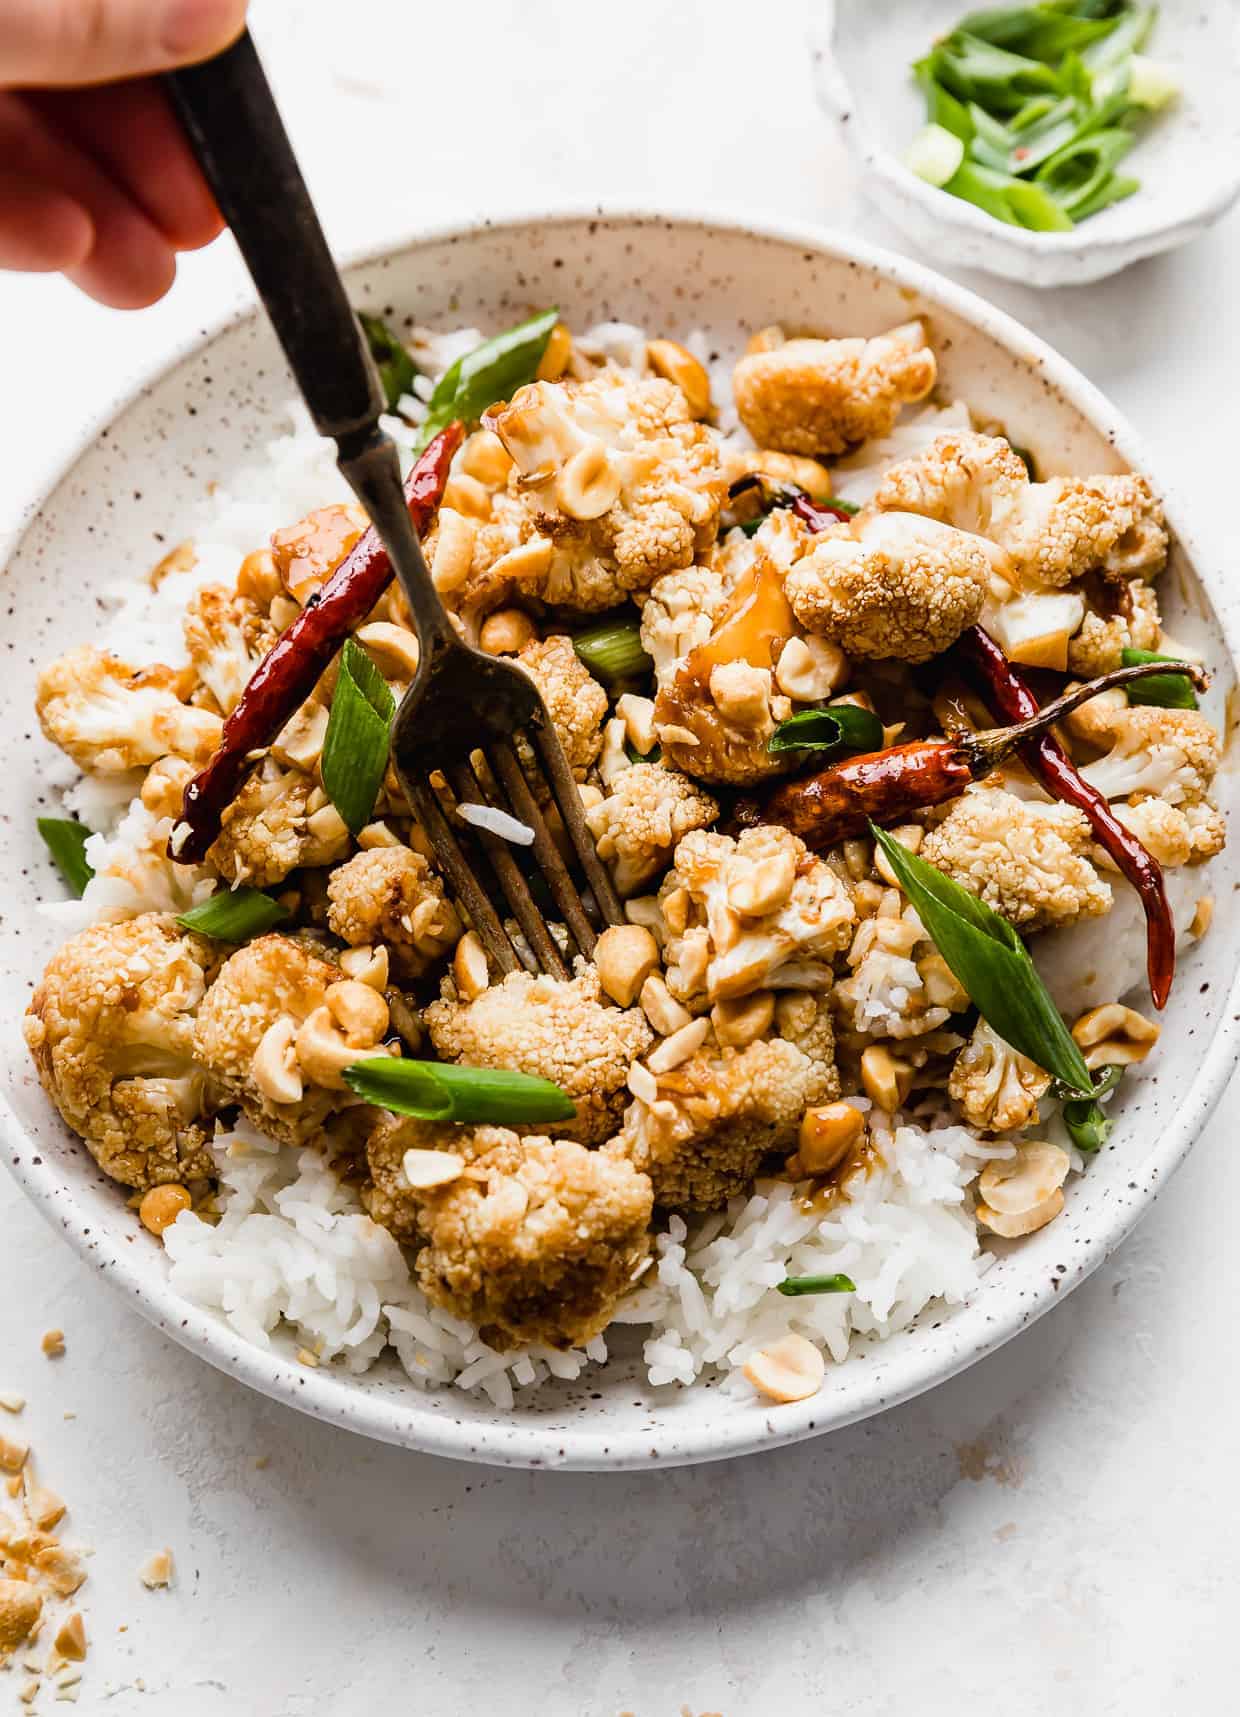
(53, 1343)
(12, 1403)
(12, 1455)
(157, 1571)
(70, 1639)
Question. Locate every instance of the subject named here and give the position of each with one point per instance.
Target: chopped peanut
(161, 1206)
(791, 1369)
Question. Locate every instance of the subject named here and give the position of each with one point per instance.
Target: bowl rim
(512, 1442)
(863, 142)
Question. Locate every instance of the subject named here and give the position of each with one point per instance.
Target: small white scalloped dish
(1188, 157)
(125, 493)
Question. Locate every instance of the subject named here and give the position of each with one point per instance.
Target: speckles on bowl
(692, 273)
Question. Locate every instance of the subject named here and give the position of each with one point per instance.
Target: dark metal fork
(459, 719)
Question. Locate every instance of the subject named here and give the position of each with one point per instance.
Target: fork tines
(494, 777)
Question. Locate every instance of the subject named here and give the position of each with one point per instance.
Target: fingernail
(193, 29)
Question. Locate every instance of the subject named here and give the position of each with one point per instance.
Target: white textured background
(1053, 1532)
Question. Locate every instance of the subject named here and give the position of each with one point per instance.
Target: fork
(457, 724)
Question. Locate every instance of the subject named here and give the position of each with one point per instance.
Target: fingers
(42, 231)
(128, 130)
(129, 262)
(67, 42)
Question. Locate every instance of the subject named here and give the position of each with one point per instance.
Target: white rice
(498, 822)
(294, 1255)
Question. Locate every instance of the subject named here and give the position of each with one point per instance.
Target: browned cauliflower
(679, 613)
(535, 1242)
(718, 705)
(280, 821)
(1173, 753)
(277, 1028)
(111, 1030)
(996, 1087)
(899, 985)
(1175, 834)
(1052, 532)
(757, 912)
(391, 895)
(891, 585)
(560, 1030)
(110, 717)
(575, 701)
(617, 484)
(1099, 644)
(648, 809)
(1026, 858)
(821, 396)
(719, 1114)
(226, 636)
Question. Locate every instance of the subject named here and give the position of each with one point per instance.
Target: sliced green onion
(840, 727)
(1045, 32)
(992, 964)
(1075, 174)
(234, 915)
(1151, 84)
(613, 652)
(942, 108)
(355, 746)
(1036, 209)
(636, 756)
(66, 842)
(976, 70)
(1114, 190)
(490, 373)
(985, 189)
(396, 368)
(1087, 1121)
(444, 1091)
(992, 141)
(1168, 691)
(837, 504)
(795, 1285)
(935, 155)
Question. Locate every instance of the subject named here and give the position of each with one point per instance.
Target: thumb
(57, 43)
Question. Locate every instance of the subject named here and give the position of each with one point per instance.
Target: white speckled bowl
(1188, 160)
(126, 490)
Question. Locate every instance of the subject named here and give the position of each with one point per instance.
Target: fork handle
(229, 113)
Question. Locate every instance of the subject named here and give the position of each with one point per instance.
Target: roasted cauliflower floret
(996, 1087)
(678, 615)
(1025, 858)
(1175, 834)
(111, 1030)
(1173, 753)
(648, 809)
(1099, 644)
(226, 637)
(559, 1030)
(617, 483)
(110, 717)
(391, 895)
(280, 821)
(535, 1242)
(899, 985)
(575, 701)
(757, 912)
(822, 396)
(721, 1113)
(891, 585)
(1052, 533)
(268, 1035)
(718, 704)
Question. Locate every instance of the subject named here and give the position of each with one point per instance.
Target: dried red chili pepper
(883, 786)
(1006, 690)
(290, 670)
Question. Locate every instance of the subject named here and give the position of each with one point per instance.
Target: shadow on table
(643, 1546)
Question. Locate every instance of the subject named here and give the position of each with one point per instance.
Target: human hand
(96, 179)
